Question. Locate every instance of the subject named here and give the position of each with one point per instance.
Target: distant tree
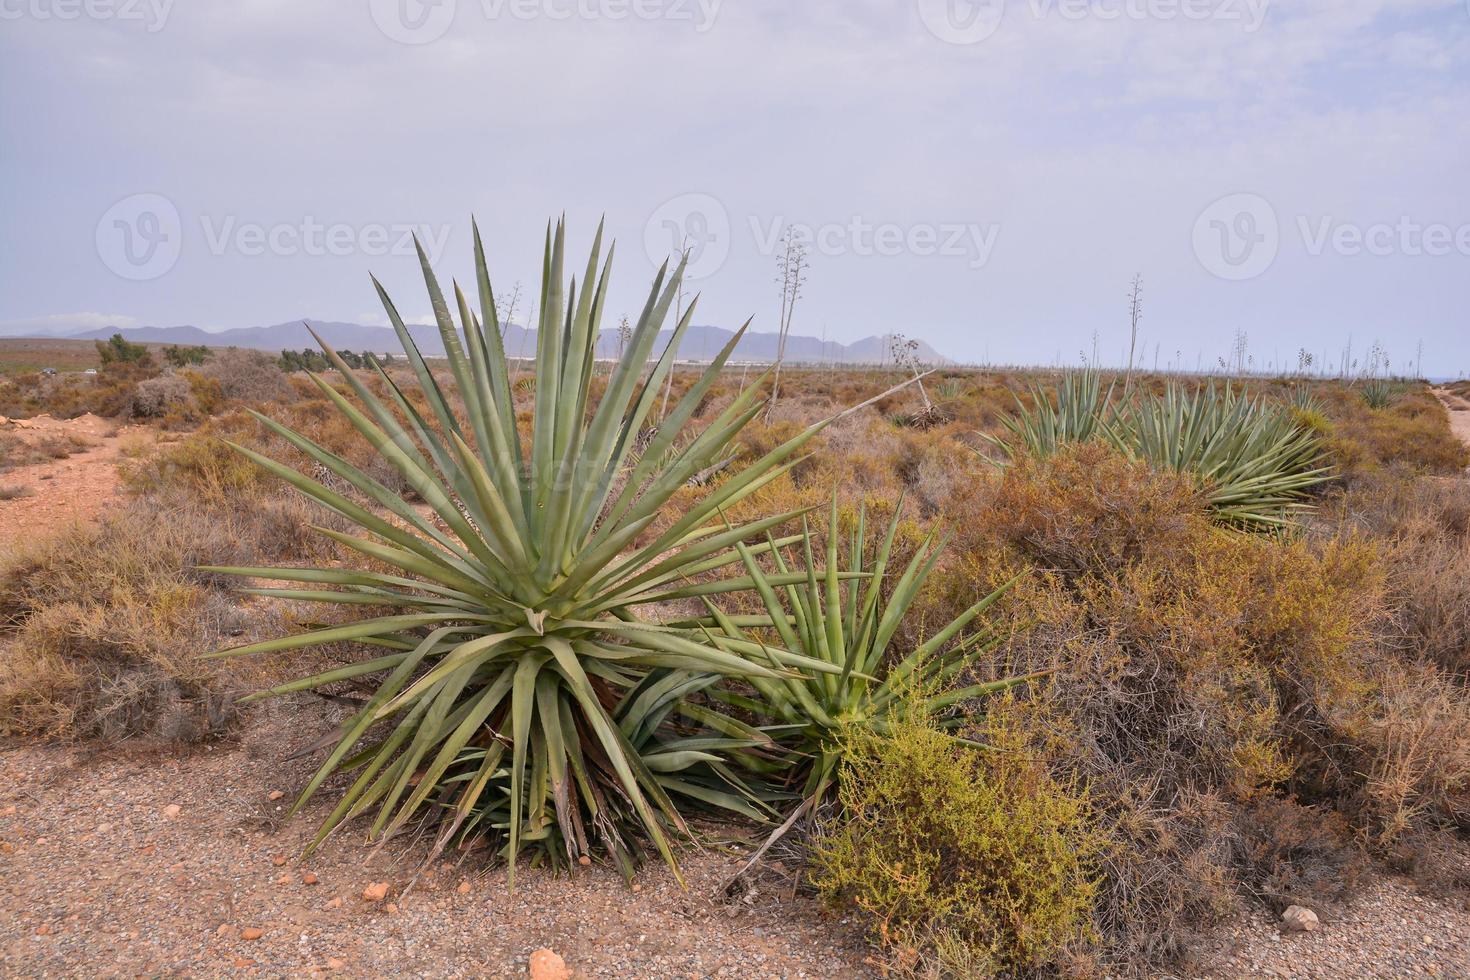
(117, 350)
(185, 356)
(304, 360)
(351, 359)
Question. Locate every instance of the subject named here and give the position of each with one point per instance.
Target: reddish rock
(546, 965)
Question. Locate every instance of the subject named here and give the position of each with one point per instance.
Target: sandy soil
(59, 492)
(132, 860)
(1459, 409)
(102, 878)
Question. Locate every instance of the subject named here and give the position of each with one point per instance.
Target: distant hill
(700, 342)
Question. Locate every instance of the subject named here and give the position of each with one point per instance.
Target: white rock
(1300, 919)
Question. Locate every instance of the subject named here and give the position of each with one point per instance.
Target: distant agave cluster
(1253, 460)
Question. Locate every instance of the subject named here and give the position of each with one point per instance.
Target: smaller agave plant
(1041, 428)
(846, 617)
(1253, 461)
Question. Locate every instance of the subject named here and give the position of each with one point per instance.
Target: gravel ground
(1387, 930)
(102, 877)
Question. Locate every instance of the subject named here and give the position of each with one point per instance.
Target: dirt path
(44, 497)
(1459, 409)
(101, 878)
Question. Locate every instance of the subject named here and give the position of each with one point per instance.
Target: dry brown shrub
(107, 625)
(247, 376)
(1417, 749)
(155, 397)
(1289, 854)
(1424, 524)
(1413, 432)
(1203, 674)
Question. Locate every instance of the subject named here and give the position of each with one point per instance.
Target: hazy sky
(988, 176)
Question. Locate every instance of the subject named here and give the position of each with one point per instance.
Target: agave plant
(1380, 392)
(522, 691)
(1252, 460)
(847, 619)
(1041, 428)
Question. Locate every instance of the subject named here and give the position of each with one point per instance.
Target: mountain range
(700, 342)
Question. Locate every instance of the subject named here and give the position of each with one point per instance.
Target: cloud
(1092, 140)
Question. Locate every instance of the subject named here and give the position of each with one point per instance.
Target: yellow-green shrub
(970, 861)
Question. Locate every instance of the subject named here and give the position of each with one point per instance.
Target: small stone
(171, 811)
(275, 794)
(1300, 919)
(241, 963)
(225, 930)
(546, 965)
(335, 903)
(584, 860)
(376, 892)
(251, 933)
(278, 860)
(104, 828)
(464, 888)
(309, 879)
(283, 880)
(391, 908)
(43, 930)
(333, 963)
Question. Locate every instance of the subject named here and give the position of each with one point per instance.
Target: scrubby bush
(249, 377)
(971, 862)
(155, 397)
(1202, 674)
(107, 625)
